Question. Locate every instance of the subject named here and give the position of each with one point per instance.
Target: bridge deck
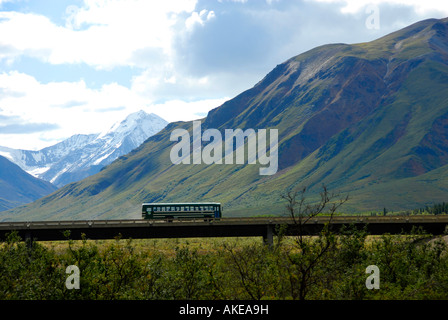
(224, 227)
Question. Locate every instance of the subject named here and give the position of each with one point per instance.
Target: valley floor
(324, 267)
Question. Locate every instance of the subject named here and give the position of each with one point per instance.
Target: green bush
(327, 266)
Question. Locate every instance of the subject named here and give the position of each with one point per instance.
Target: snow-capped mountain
(82, 155)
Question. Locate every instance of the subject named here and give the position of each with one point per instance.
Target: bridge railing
(256, 220)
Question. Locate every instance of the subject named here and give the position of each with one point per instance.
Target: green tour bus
(188, 210)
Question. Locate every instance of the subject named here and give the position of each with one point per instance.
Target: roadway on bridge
(224, 227)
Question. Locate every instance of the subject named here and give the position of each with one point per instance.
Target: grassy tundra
(411, 267)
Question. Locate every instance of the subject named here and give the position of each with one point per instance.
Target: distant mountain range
(18, 187)
(83, 155)
(369, 120)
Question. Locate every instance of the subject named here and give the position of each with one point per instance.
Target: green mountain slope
(18, 187)
(368, 119)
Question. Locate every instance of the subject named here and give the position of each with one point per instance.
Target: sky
(78, 66)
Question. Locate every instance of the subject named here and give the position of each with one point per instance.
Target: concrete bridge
(224, 227)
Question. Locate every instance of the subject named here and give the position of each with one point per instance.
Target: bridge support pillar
(268, 237)
(28, 239)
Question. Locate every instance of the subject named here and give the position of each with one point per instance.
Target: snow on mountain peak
(82, 155)
(132, 121)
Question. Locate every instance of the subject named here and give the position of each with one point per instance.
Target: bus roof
(179, 203)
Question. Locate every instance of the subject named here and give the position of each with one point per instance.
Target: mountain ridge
(364, 119)
(18, 187)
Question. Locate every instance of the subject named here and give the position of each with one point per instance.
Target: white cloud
(4, 1)
(70, 105)
(198, 18)
(240, 1)
(102, 33)
(165, 81)
(178, 110)
(74, 108)
(421, 7)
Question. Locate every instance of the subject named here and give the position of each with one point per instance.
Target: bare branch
(310, 253)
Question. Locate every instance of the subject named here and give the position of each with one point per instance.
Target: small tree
(311, 252)
(301, 211)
